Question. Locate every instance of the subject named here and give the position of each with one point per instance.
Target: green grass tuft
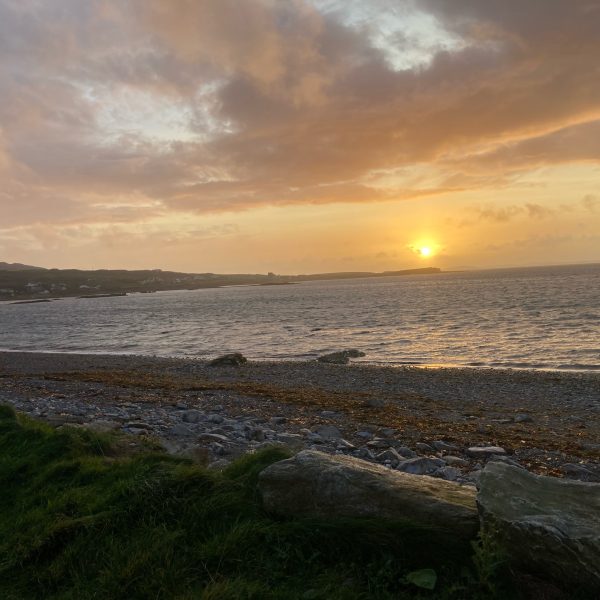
(79, 521)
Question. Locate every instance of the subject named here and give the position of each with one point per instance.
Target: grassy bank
(81, 519)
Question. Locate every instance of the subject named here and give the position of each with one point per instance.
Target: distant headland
(23, 282)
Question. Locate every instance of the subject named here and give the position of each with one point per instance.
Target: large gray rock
(545, 524)
(318, 484)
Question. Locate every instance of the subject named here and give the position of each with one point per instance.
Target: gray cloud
(284, 103)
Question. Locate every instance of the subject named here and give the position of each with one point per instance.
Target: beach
(445, 422)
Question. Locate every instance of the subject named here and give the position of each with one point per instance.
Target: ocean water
(540, 318)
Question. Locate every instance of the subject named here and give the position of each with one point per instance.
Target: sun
(424, 249)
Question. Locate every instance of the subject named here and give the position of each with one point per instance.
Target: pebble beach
(443, 422)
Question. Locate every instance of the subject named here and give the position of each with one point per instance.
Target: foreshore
(419, 420)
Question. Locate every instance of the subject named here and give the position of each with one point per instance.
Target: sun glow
(424, 249)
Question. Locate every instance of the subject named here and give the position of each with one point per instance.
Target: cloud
(220, 105)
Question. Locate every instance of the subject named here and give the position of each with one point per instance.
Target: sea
(526, 318)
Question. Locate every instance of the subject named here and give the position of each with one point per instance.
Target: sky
(299, 136)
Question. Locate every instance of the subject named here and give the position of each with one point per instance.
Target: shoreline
(584, 369)
(546, 421)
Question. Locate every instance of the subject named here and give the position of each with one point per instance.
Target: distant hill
(4, 266)
(23, 282)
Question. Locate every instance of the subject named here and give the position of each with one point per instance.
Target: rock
(278, 420)
(216, 419)
(317, 484)
(213, 437)
(365, 435)
(448, 473)
(405, 452)
(234, 359)
(327, 432)
(546, 525)
(293, 440)
(420, 466)
(441, 446)
(344, 445)
(328, 414)
(379, 443)
(256, 434)
(523, 418)
(484, 451)
(340, 358)
(387, 432)
(390, 455)
(504, 459)
(581, 472)
(456, 461)
(191, 416)
(103, 425)
(180, 429)
(364, 454)
(423, 447)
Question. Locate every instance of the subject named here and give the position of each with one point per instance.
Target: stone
(423, 447)
(504, 459)
(216, 419)
(365, 435)
(191, 416)
(387, 432)
(448, 473)
(344, 445)
(293, 440)
(340, 358)
(484, 451)
(235, 359)
(545, 524)
(278, 420)
(456, 461)
(328, 414)
(442, 446)
(364, 454)
(317, 484)
(405, 452)
(103, 425)
(256, 434)
(523, 418)
(180, 429)
(213, 437)
(390, 455)
(420, 466)
(379, 443)
(327, 432)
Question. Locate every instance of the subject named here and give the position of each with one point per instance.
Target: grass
(80, 520)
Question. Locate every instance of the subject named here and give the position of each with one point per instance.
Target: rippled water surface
(537, 318)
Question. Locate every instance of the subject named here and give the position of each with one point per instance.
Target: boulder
(545, 525)
(340, 358)
(313, 483)
(234, 359)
